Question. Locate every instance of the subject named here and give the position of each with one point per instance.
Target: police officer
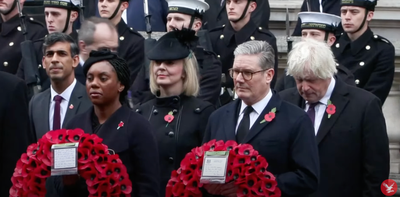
(368, 56)
(321, 27)
(131, 43)
(60, 16)
(187, 14)
(240, 29)
(11, 35)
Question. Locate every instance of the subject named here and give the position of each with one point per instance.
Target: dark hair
(120, 66)
(88, 28)
(55, 37)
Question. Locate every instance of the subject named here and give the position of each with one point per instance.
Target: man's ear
(370, 15)
(197, 25)
(253, 6)
(124, 6)
(74, 15)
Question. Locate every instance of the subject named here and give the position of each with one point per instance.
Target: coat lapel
(230, 120)
(74, 102)
(257, 127)
(46, 108)
(340, 100)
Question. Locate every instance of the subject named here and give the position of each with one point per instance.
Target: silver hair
(310, 56)
(258, 47)
(88, 27)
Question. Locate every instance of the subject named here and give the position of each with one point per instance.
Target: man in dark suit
(323, 6)
(216, 16)
(287, 141)
(321, 27)
(94, 34)
(349, 124)
(15, 135)
(186, 14)
(53, 108)
(239, 29)
(368, 56)
(131, 43)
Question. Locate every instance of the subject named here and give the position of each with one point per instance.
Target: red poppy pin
(120, 125)
(270, 116)
(169, 118)
(331, 109)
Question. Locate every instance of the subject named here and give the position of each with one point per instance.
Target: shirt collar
(66, 95)
(259, 106)
(328, 93)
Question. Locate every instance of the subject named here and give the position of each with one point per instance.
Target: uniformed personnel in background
(187, 14)
(11, 34)
(321, 27)
(59, 16)
(241, 28)
(368, 56)
(131, 43)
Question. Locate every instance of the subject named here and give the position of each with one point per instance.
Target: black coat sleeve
(210, 81)
(375, 152)
(15, 135)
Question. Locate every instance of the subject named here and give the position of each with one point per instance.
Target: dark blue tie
(311, 111)
(244, 125)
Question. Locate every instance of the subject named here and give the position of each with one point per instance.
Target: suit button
(171, 159)
(357, 81)
(171, 134)
(362, 63)
(5, 63)
(197, 110)
(155, 111)
(175, 111)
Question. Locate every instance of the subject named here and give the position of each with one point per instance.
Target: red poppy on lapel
(169, 118)
(270, 116)
(71, 106)
(331, 109)
(120, 125)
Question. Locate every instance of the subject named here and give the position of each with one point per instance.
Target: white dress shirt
(124, 16)
(258, 109)
(81, 61)
(320, 108)
(66, 95)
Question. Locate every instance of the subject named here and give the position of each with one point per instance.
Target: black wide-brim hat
(367, 4)
(173, 45)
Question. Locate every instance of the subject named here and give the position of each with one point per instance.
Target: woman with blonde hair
(176, 115)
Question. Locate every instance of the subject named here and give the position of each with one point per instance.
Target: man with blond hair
(349, 124)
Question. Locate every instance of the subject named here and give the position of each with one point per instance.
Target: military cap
(190, 7)
(66, 4)
(367, 4)
(318, 20)
(173, 45)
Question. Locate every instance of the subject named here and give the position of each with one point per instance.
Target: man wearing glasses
(286, 138)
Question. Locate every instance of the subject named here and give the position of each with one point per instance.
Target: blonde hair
(191, 86)
(310, 56)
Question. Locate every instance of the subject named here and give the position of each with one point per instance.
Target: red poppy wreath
(246, 168)
(104, 173)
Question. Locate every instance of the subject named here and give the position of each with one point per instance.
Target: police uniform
(319, 21)
(209, 64)
(11, 37)
(370, 57)
(225, 40)
(131, 47)
(186, 130)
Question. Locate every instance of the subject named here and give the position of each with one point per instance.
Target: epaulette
(34, 21)
(380, 38)
(218, 28)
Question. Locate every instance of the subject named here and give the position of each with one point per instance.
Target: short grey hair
(88, 27)
(258, 47)
(310, 56)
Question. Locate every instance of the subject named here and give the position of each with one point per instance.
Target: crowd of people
(215, 72)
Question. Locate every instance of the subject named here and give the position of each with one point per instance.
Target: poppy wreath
(246, 168)
(105, 174)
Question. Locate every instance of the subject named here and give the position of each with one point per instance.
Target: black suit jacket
(135, 143)
(216, 16)
(39, 107)
(287, 142)
(353, 143)
(14, 126)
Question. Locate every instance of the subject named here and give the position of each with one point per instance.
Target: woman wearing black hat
(107, 82)
(177, 116)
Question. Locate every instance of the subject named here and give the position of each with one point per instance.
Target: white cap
(190, 7)
(318, 20)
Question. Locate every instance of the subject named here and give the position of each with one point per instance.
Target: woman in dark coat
(107, 82)
(174, 80)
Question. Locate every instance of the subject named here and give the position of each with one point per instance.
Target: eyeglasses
(247, 75)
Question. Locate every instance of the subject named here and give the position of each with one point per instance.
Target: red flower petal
(331, 109)
(74, 135)
(169, 118)
(269, 117)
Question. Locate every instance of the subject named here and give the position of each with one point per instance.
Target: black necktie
(311, 111)
(244, 125)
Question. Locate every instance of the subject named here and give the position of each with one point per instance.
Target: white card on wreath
(65, 159)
